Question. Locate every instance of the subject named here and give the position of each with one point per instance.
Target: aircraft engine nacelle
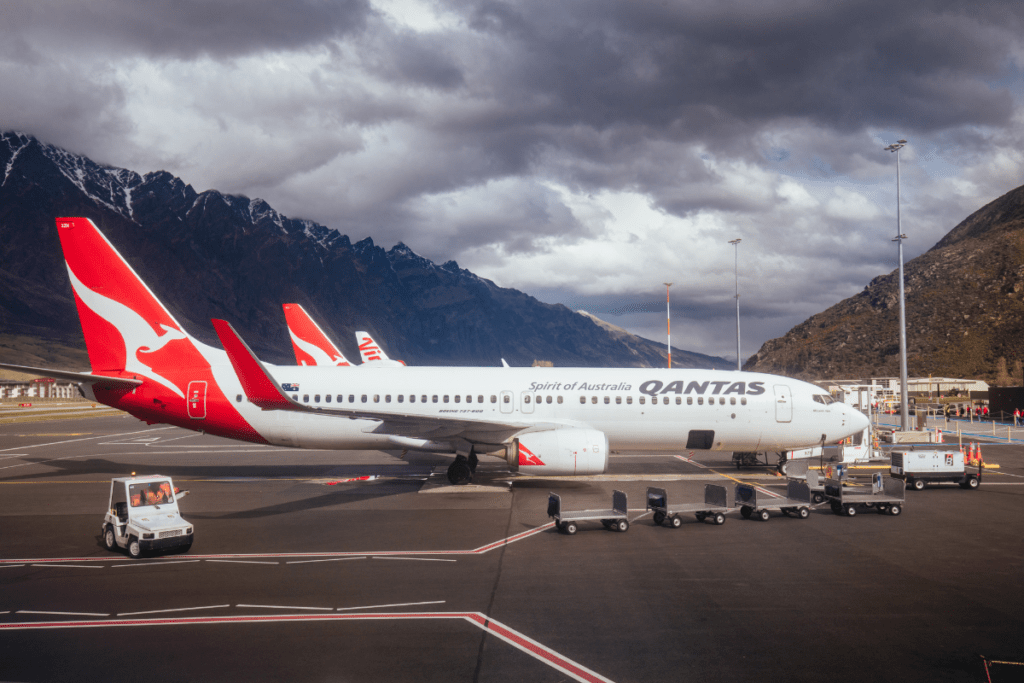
(559, 451)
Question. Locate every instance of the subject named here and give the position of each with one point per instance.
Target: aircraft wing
(82, 377)
(264, 391)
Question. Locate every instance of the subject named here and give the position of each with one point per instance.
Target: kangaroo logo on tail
(138, 335)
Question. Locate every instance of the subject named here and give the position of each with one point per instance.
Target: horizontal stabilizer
(81, 377)
(259, 387)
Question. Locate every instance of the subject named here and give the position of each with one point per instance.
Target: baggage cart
(798, 470)
(886, 496)
(714, 507)
(567, 521)
(796, 502)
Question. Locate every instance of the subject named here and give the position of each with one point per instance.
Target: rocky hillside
(964, 304)
(209, 255)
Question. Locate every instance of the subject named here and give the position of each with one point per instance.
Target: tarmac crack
(494, 591)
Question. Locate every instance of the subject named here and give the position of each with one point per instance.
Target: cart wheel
(719, 518)
(850, 510)
(569, 528)
(882, 508)
(973, 482)
(818, 498)
(804, 513)
(918, 484)
(746, 511)
(109, 542)
(675, 521)
(134, 547)
(659, 518)
(783, 466)
(622, 525)
(701, 516)
(763, 514)
(895, 509)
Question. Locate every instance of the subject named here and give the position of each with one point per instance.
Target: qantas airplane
(313, 347)
(551, 421)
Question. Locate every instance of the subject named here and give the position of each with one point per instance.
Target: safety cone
(970, 455)
(981, 461)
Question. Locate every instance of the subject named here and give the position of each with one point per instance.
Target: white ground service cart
(143, 515)
(886, 495)
(797, 501)
(567, 521)
(929, 465)
(714, 507)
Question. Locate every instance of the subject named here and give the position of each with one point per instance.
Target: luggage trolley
(798, 470)
(567, 520)
(887, 495)
(714, 506)
(797, 501)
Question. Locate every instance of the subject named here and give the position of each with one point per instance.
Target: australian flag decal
(289, 387)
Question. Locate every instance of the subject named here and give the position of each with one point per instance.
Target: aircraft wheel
(659, 518)
(459, 473)
(675, 521)
(804, 513)
(109, 542)
(783, 466)
(763, 515)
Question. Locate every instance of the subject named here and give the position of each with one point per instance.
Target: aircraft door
(526, 401)
(783, 403)
(506, 399)
(197, 400)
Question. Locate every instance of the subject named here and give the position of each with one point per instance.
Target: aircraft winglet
(259, 387)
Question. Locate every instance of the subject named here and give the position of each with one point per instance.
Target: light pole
(896, 147)
(668, 322)
(736, 243)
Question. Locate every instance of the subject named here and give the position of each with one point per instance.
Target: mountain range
(964, 309)
(211, 255)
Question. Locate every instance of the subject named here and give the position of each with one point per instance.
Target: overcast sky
(584, 151)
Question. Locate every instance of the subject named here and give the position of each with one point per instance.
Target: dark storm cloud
(185, 29)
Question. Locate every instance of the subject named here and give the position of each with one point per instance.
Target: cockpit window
(824, 398)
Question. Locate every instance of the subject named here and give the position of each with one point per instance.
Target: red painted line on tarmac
(55, 561)
(692, 462)
(509, 635)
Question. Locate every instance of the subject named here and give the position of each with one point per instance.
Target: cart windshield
(151, 493)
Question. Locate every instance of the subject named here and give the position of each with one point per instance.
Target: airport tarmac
(297, 574)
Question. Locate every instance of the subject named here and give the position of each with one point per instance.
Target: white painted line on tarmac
(90, 438)
(1003, 483)
(397, 604)
(64, 614)
(527, 645)
(154, 564)
(329, 559)
(312, 609)
(415, 559)
(243, 562)
(11, 565)
(161, 611)
(76, 566)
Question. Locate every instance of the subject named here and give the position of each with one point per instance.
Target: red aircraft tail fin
(311, 345)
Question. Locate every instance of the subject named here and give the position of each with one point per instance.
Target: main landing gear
(461, 471)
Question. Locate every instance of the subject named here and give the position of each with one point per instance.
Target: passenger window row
(594, 400)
